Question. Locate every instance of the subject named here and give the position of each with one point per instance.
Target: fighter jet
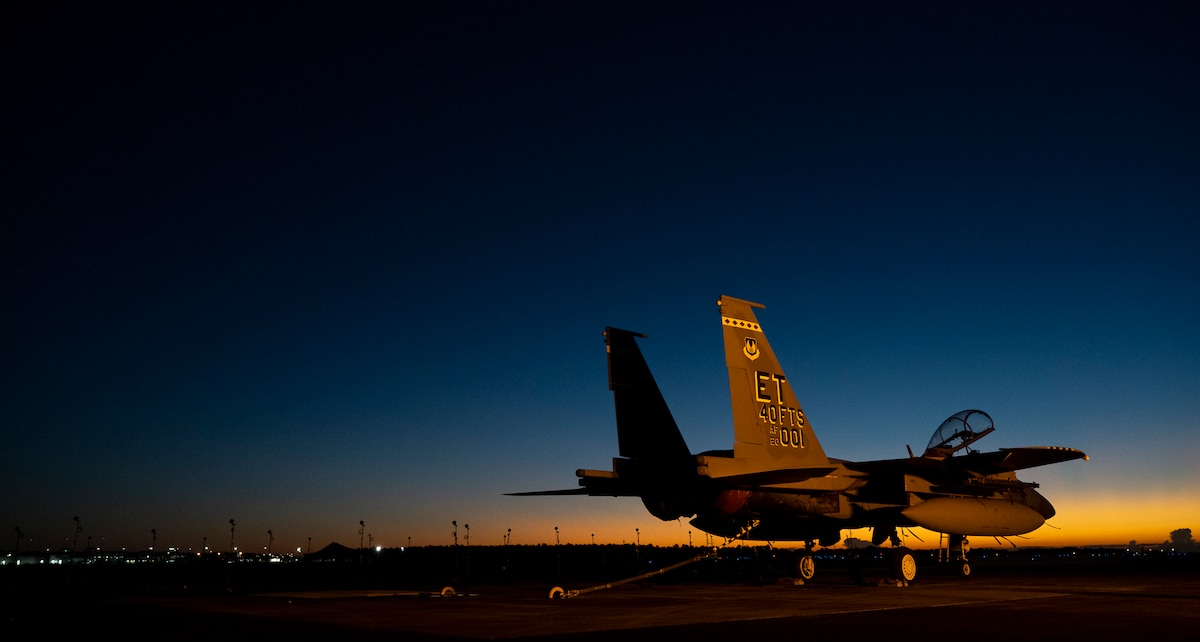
(777, 483)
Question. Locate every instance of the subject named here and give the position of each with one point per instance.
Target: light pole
(270, 540)
(361, 528)
(454, 534)
(467, 561)
(232, 527)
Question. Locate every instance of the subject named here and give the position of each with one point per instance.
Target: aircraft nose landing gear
(961, 567)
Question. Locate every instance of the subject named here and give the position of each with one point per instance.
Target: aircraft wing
(1004, 460)
(1031, 456)
(1007, 460)
(774, 477)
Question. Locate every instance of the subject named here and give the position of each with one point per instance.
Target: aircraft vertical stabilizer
(645, 428)
(768, 422)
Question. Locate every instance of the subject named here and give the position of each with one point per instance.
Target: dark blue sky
(309, 265)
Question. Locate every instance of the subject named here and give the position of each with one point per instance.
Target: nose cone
(1040, 504)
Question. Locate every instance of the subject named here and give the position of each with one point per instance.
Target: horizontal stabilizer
(543, 493)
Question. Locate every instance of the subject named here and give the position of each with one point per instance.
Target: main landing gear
(900, 563)
(903, 563)
(806, 565)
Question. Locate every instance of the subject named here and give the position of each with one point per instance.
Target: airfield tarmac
(1093, 602)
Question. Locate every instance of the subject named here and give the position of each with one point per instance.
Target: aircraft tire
(964, 569)
(557, 593)
(448, 591)
(806, 566)
(904, 564)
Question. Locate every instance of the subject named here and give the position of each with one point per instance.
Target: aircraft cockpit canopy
(959, 431)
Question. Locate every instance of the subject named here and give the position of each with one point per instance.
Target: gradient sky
(306, 266)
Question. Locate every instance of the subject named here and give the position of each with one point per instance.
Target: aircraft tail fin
(768, 422)
(645, 427)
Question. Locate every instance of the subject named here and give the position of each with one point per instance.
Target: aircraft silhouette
(777, 484)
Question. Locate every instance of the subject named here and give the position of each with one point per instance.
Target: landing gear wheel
(449, 591)
(904, 564)
(964, 569)
(557, 593)
(806, 567)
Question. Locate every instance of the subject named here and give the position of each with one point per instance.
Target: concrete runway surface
(1094, 602)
